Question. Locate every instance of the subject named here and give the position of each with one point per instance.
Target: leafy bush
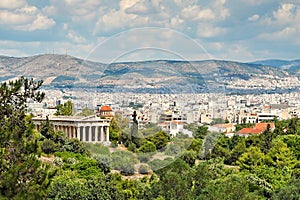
(58, 161)
(132, 147)
(143, 158)
(66, 155)
(123, 161)
(71, 161)
(97, 149)
(144, 169)
(49, 147)
(174, 149)
(127, 168)
(104, 163)
(147, 147)
(114, 144)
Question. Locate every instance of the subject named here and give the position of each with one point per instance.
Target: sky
(129, 30)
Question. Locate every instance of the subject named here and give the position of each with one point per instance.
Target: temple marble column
(107, 133)
(102, 133)
(96, 133)
(90, 134)
(78, 132)
(83, 134)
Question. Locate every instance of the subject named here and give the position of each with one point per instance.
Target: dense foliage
(48, 165)
(65, 109)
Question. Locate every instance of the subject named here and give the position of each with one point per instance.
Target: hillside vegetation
(47, 165)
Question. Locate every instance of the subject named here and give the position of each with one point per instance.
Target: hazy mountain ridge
(292, 66)
(64, 70)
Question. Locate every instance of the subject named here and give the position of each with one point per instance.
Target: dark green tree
(266, 140)
(293, 126)
(160, 140)
(22, 175)
(189, 157)
(65, 109)
(201, 132)
(114, 130)
(135, 135)
(147, 147)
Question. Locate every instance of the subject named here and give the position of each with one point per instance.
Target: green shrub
(71, 161)
(58, 161)
(143, 158)
(147, 147)
(144, 169)
(49, 146)
(132, 147)
(127, 168)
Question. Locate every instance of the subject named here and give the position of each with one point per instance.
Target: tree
(175, 181)
(293, 126)
(266, 140)
(236, 152)
(114, 130)
(289, 192)
(86, 112)
(147, 147)
(252, 158)
(22, 176)
(65, 109)
(232, 187)
(280, 155)
(293, 143)
(201, 132)
(209, 144)
(160, 139)
(121, 122)
(189, 157)
(135, 135)
(196, 145)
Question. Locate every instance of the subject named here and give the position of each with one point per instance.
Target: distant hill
(292, 66)
(62, 71)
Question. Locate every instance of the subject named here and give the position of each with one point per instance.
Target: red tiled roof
(258, 129)
(250, 131)
(106, 108)
(264, 125)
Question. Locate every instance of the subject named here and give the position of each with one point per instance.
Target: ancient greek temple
(86, 129)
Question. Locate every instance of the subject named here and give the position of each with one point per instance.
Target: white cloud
(206, 14)
(27, 18)
(141, 7)
(253, 18)
(125, 4)
(40, 23)
(118, 19)
(13, 18)
(12, 4)
(281, 35)
(195, 12)
(190, 12)
(50, 10)
(285, 13)
(219, 7)
(207, 31)
(75, 37)
(176, 22)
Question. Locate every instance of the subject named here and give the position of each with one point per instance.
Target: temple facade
(86, 129)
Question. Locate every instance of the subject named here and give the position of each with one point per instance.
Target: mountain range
(67, 72)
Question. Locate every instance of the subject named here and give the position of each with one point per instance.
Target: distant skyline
(129, 30)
